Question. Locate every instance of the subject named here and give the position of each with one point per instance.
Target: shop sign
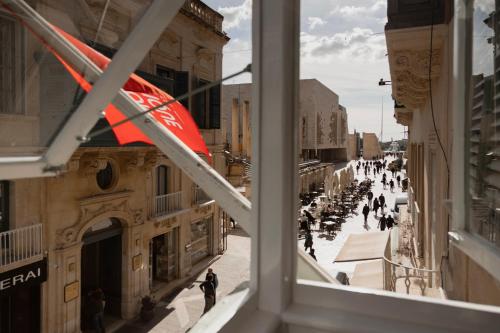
(24, 276)
(71, 291)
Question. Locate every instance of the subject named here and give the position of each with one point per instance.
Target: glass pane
(484, 124)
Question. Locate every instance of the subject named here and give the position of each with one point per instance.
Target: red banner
(174, 116)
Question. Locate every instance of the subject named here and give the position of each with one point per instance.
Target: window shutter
(199, 105)
(182, 86)
(215, 107)
(4, 206)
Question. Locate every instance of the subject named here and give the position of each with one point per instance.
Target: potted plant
(147, 309)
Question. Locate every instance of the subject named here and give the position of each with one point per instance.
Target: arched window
(162, 174)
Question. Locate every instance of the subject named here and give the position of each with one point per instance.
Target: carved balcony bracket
(410, 57)
(94, 165)
(136, 161)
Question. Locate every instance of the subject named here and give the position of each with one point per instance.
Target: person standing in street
(369, 195)
(215, 280)
(376, 206)
(382, 222)
(309, 241)
(208, 289)
(391, 185)
(398, 179)
(366, 211)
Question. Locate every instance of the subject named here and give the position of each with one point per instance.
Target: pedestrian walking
(309, 241)
(391, 185)
(376, 206)
(384, 183)
(311, 253)
(215, 280)
(366, 211)
(390, 222)
(208, 288)
(357, 169)
(369, 196)
(381, 201)
(382, 222)
(398, 178)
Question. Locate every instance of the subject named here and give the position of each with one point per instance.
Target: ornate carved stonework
(92, 166)
(150, 161)
(114, 205)
(136, 161)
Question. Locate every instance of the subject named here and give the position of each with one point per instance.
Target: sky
(342, 45)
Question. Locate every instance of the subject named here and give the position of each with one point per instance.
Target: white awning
(365, 246)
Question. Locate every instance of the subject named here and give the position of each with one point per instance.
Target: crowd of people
(373, 203)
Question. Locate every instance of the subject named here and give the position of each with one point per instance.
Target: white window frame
(478, 249)
(274, 301)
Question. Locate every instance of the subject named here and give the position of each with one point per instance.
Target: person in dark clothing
(398, 179)
(208, 288)
(381, 201)
(384, 183)
(311, 253)
(369, 195)
(382, 222)
(215, 280)
(390, 222)
(366, 211)
(376, 206)
(97, 310)
(309, 241)
(357, 169)
(391, 185)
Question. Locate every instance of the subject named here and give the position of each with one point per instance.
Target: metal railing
(166, 203)
(199, 196)
(421, 277)
(21, 244)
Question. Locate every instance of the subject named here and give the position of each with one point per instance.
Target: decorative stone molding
(93, 166)
(150, 161)
(96, 209)
(403, 116)
(409, 56)
(136, 161)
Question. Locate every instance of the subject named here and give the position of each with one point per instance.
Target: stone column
(245, 128)
(235, 128)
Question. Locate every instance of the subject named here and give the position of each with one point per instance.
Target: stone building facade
(371, 146)
(121, 218)
(462, 248)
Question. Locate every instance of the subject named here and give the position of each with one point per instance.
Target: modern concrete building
(449, 102)
(371, 146)
(121, 218)
(323, 128)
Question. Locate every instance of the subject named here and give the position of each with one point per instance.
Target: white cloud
(314, 22)
(235, 15)
(376, 9)
(357, 43)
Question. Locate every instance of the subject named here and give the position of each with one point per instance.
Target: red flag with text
(174, 116)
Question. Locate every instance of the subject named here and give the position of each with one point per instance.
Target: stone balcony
(205, 15)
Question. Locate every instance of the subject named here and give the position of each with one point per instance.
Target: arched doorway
(101, 267)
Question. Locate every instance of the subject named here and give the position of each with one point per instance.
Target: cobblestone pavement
(178, 313)
(327, 247)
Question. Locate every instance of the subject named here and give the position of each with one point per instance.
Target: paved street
(181, 312)
(327, 247)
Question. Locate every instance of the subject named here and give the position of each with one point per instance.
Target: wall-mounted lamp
(382, 82)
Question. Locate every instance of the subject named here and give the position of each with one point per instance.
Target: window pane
(484, 125)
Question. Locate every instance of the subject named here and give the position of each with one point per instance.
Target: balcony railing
(21, 244)
(200, 196)
(204, 13)
(410, 280)
(166, 204)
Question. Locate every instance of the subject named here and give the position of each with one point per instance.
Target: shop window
(106, 177)
(483, 123)
(162, 180)
(4, 206)
(11, 66)
(200, 239)
(206, 106)
(163, 257)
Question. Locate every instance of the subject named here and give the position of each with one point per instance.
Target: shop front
(201, 236)
(20, 298)
(164, 258)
